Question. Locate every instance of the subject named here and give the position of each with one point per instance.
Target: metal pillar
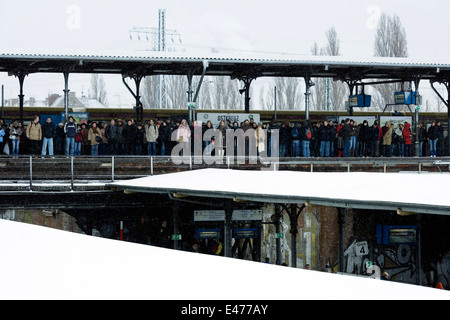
(246, 90)
(416, 118)
(228, 229)
(277, 223)
(191, 109)
(21, 77)
(66, 96)
(176, 231)
(309, 84)
(139, 107)
(341, 222)
(293, 216)
(446, 83)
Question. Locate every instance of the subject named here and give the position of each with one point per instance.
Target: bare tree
(328, 94)
(149, 92)
(390, 41)
(98, 89)
(289, 95)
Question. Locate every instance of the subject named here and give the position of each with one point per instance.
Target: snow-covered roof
(150, 62)
(43, 263)
(382, 191)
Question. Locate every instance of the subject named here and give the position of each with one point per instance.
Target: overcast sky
(250, 26)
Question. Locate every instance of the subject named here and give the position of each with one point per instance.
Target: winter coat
(183, 133)
(92, 134)
(364, 133)
(112, 133)
(325, 133)
(260, 139)
(432, 133)
(34, 131)
(70, 129)
(387, 137)
(151, 132)
(345, 132)
(15, 133)
(129, 134)
(407, 133)
(48, 130)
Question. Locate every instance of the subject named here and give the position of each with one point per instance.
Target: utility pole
(157, 36)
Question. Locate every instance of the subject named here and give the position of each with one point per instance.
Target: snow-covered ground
(42, 263)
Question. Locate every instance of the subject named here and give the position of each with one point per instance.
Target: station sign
(407, 97)
(360, 101)
(396, 235)
(219, 215)
(208, 233)
(361, 248)
(215, 118)
(209, 215)
(247, 215)
(245, 233)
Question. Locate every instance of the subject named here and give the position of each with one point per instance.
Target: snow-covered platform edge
(42, 263)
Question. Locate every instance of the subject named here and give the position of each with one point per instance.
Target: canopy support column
(446, 83)
(276, 220)
(139, 107)
(66, 95)
(21, 77)
(246, 90)
(309, 84)
(341, 222)
(293, 216)
(228, 234)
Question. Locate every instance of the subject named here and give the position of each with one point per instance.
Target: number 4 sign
(361, 248)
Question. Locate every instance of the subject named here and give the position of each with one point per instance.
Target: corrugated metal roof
(219, 64)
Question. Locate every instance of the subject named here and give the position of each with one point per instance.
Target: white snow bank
(42, 263)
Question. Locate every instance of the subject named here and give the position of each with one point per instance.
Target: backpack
(308, 134)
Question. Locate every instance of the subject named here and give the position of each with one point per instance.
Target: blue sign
(408, 97)
(396, 235)
(360, 101)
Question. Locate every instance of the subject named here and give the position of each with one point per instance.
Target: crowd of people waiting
(154, 137)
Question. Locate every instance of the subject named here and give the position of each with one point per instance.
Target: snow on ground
(42, 263)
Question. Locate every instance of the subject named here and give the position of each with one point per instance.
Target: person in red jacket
(407, 137)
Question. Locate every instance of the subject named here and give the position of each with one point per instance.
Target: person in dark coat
(48, 132)
(433, 138)
(364, 137)
(129, 135)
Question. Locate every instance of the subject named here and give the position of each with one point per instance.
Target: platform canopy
(235, 66)
(402, 192)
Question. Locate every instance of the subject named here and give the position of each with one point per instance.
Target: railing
(74, 170)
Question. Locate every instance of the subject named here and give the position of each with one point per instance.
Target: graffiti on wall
(400, 261)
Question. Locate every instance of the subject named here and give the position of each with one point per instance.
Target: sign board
(396, 235)
(247, 233)
(247, 215)
(209, 215)
(360, 101)
(176, 237)
(208, 233)
(279, 235)
(407, 97)
(219, 215)
(359, 119)
(396, 120)
(80, 117)
(361, 248)
(215, 118)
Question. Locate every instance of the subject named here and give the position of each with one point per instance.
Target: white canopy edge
(43, 263)
(408, 192)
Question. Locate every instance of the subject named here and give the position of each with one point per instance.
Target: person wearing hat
(385, 276)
